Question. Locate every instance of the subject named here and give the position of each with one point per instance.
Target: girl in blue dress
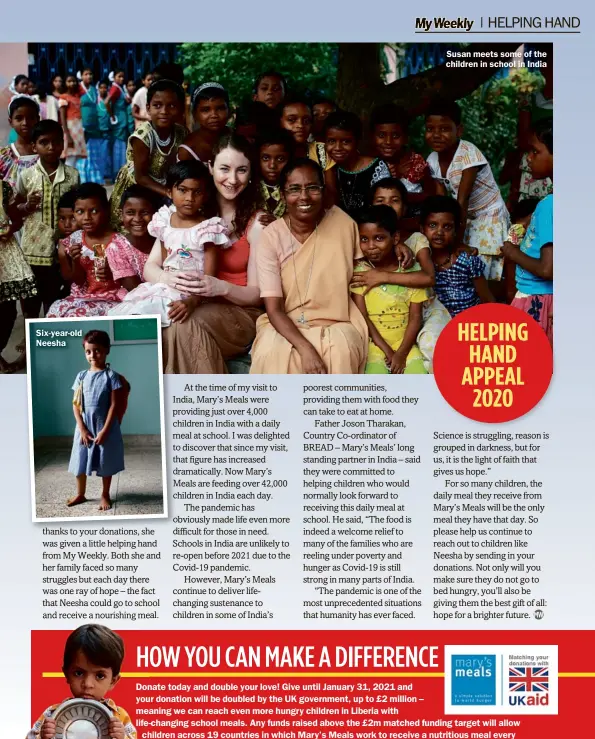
(98, 447)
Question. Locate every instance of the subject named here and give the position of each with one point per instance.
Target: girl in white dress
(186, 241)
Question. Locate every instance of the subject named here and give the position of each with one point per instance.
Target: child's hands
(405, 256)
(102, 270)
(86, 437)
(75, 251)
(180, 310)
(33, 202)
(116, 729)
(472, 251)
(369, 279)
(266, 218)
(398, 362)
(101, 437)
(508, 248)
(48, 729)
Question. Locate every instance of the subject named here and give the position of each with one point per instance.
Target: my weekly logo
(473, 679)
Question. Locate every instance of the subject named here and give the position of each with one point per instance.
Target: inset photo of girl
(96, 418)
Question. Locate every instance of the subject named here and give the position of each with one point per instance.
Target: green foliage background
(490, 113)
(308, 67)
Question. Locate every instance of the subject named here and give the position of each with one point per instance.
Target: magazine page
(284, 450)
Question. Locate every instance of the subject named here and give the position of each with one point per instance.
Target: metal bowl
(79, 718)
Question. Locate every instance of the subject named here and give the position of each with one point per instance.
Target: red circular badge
(493, 363)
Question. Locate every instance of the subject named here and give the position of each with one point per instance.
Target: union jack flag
(528, 679)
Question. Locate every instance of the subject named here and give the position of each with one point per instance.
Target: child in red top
(71, 119)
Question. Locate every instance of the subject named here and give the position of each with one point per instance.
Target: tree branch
(361, 62)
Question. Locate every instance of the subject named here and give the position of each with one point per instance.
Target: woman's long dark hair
(247, 201)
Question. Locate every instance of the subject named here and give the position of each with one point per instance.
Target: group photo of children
(284, 230)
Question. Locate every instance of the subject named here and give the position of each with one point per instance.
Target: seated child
(39, 190)
(275, 149)
(393, 313)
(461, 170)
(128, 257)
(534, 257)
(389, 125)
(187, 241)
(521, 218)
(210, 110)
(93, 657)
(460, 278)
(153, 147)
(355, 173)
(82, 258)
(391, 192)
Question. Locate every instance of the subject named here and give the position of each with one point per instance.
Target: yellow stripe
(288, 675)
(576, 674)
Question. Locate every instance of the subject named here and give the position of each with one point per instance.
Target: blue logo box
(473, 679)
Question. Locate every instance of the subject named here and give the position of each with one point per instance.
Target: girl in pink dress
(127, 260)
(186, 241)
(82, 258)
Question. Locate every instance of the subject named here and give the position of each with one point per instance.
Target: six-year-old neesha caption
(54, 338)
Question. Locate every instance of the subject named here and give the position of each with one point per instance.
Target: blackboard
(135, 329)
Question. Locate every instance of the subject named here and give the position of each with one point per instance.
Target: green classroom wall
(53, 370)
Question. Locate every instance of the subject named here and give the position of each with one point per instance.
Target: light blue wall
(53, 370)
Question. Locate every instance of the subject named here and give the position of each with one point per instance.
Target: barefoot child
(393, 313)
(186, 241)
(93, 657)
(98, 446)
(534, 258)
(460, 278)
